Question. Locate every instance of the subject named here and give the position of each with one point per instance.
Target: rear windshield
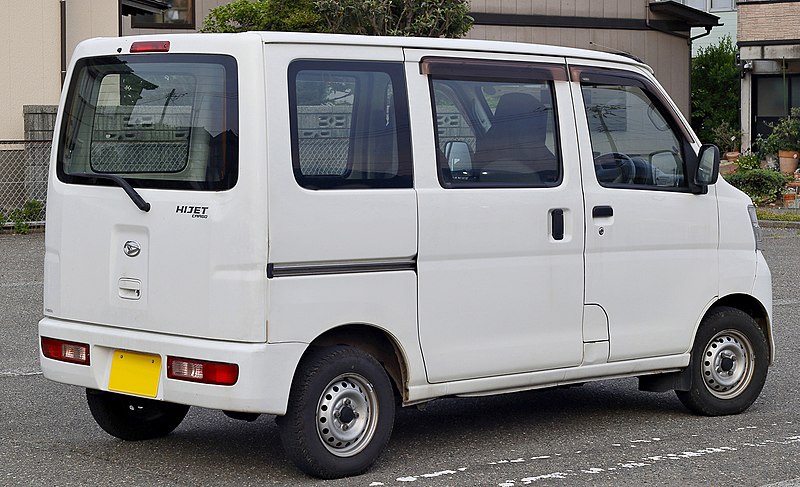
(158, 120)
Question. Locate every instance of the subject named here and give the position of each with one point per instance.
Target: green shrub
(748, 161)
(276, 15)
(762, 185)
(33, 211)
(715, 89)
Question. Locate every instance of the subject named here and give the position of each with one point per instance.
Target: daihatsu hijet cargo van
(325, 227)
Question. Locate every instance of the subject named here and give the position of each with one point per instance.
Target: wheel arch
(375, 341)
(755, 309)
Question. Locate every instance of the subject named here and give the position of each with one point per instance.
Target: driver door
(651, 243)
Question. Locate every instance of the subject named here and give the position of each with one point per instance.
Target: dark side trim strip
(340, 267)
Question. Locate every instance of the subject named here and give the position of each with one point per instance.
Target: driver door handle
(602, 212)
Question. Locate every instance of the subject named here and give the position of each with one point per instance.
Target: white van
(326, 227)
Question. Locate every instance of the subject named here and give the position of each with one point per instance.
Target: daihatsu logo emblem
(131, 248)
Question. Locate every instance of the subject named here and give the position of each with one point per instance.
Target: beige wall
(90, 18)
(765, 22)
(668, 55)
(30, 51)
(624, 9)
(30, 60)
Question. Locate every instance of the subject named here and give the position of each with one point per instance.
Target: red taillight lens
(64, 351)
(217, 373)
(150, 46)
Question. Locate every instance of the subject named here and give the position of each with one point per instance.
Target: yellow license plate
(135, 373)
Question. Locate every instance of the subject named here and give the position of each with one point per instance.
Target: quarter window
(349, 123)
(633, 142)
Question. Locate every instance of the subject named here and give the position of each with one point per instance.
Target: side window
(633, 142)
(495, 130)
(349, 125)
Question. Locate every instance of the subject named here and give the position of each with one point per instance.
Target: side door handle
(557, 223)
(602, 212)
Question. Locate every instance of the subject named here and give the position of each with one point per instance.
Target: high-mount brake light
(150, 46)
(64, 351)
(216, 373)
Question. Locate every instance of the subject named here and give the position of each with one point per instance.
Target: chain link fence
(23, 181)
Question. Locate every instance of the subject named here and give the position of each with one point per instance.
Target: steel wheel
(347, 415)
(728, 364)
(340, 412)
(728, 367)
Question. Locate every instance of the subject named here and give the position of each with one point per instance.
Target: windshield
(157, 120)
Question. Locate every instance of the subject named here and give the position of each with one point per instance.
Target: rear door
(500, 259)
(651, 243)
(169, 126)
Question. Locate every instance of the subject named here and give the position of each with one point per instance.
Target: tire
(133, 418)
(340, 413)
(729, 364)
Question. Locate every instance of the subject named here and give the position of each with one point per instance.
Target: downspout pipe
(63, 20)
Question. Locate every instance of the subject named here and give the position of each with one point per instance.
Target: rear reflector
(76, 353)
(150, 46)
(191, 370)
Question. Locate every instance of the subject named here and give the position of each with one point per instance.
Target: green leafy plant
(3, 220)
(785, 134)
(748, 161)
(426, 18)
(276, 15)
(422, 18)
(715, 88)
(21, 224)
(726, 137)
(762, 185)
(33, 210)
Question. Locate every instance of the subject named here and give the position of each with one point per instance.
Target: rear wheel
(729, 364)
(134, 418)
(340, 415)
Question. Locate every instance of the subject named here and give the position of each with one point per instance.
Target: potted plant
(727, 138)
(785, 141)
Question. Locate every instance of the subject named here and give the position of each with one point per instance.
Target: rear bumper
(265, 370)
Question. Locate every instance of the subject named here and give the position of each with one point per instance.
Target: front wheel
(728, 365)
(134, 418)
(340, 414)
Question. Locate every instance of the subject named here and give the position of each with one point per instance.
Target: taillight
(64, 351)
(150, 46)
(217, 373)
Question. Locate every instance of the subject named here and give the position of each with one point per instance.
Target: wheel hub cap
(347, 415)
(727, 364)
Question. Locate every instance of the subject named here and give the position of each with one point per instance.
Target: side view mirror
(458, 155)
(707, 166)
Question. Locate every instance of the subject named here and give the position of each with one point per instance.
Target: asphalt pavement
(604, 433)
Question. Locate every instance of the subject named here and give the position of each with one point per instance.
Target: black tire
(343, 395)
(729, 364)
(134, 418)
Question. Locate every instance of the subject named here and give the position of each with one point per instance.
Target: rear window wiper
(122, 183)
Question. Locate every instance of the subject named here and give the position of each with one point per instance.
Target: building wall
(668, 55)
(761, 22)
(201, 9)
(90, 18)
(30, 58)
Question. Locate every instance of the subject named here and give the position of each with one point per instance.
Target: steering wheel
(625, 165)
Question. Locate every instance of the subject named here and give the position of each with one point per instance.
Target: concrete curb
(778, 224)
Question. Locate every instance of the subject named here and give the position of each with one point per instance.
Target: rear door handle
(602, 212)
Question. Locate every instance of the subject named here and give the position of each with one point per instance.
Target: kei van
(324, 228)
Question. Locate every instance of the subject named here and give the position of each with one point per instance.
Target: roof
(688, 15)
(442, 43)
(136, 7)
